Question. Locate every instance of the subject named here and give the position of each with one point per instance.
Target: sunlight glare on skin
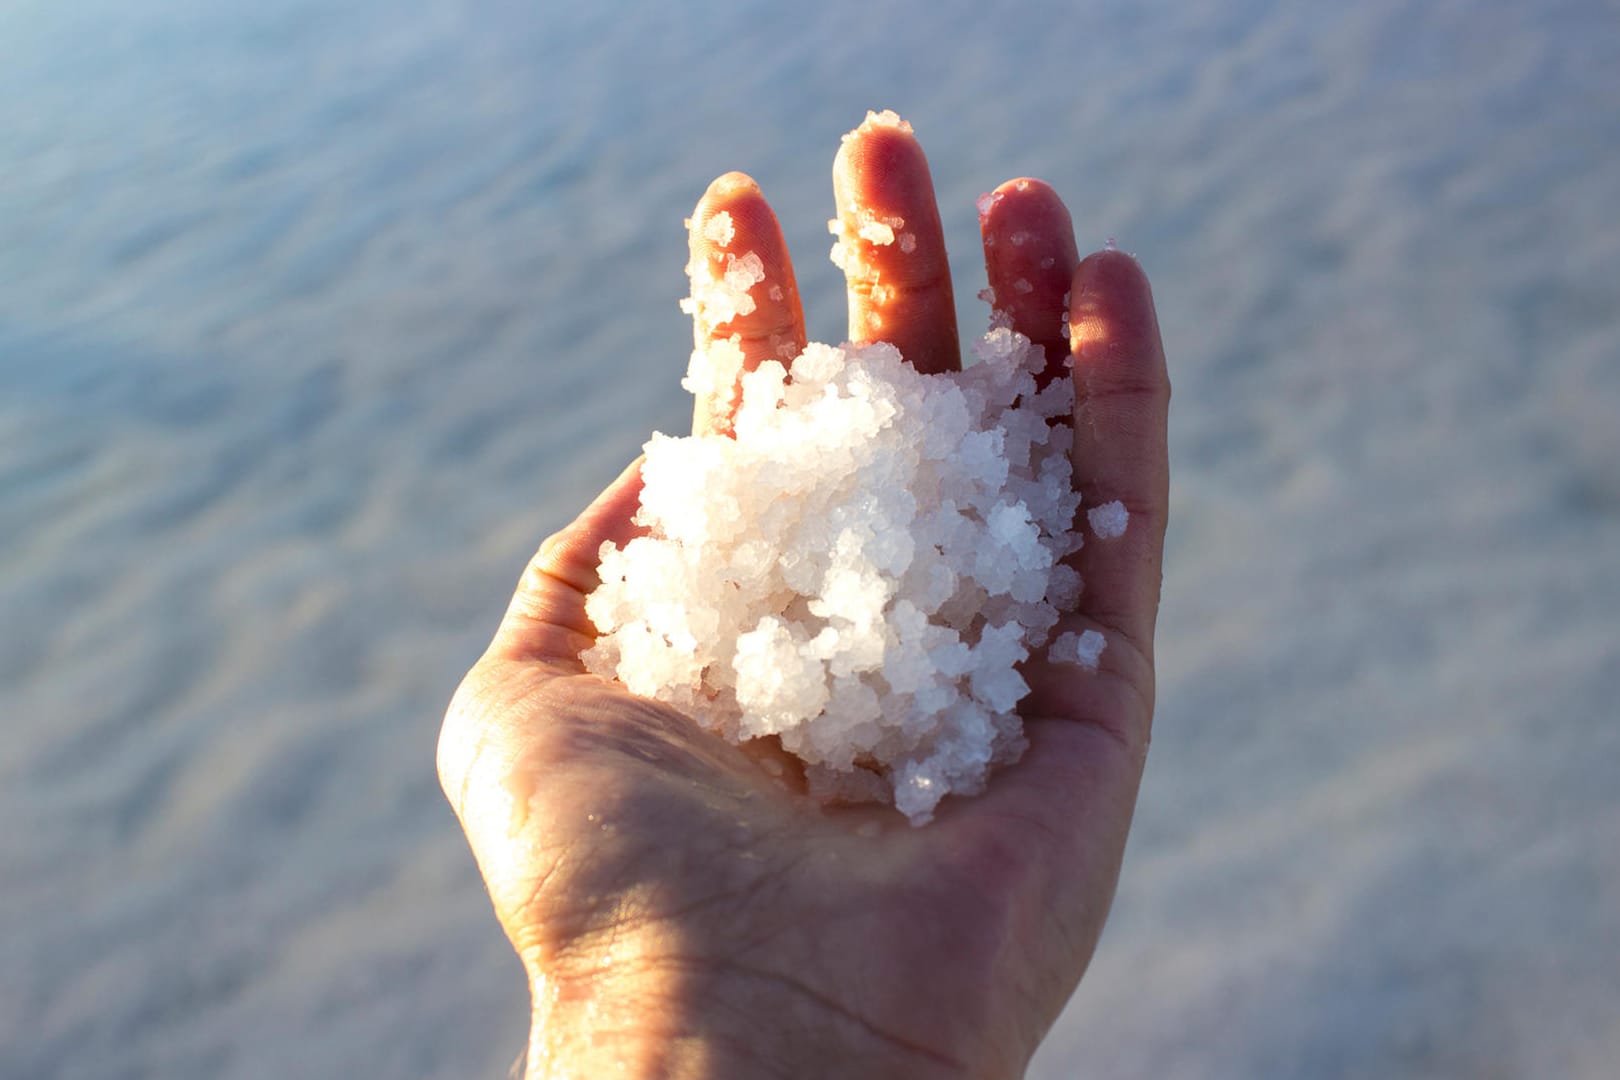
(1087, 329)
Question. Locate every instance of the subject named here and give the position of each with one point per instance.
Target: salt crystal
(716, 299)
(720, 229)
(1085, 649)
(1108, 521)
(908, 242)
(1023, 286)
(876, 232)
(887, 118)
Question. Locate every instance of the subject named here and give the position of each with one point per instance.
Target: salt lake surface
(315, 318)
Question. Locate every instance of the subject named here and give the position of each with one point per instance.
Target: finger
(1030, 258)
(891, 247)
(745, 302)
(1122, 397)
(546, 620)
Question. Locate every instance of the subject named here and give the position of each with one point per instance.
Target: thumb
(546, 620)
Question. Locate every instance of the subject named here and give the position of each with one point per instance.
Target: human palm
(682, 907)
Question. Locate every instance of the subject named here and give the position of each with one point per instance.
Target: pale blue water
(315, 317)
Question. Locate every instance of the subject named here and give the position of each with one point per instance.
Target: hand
(680, 910)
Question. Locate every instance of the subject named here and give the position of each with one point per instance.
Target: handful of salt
(859, 570)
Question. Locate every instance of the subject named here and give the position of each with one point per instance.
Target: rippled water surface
(315, 317)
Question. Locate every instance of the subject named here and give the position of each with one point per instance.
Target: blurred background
(316, 317)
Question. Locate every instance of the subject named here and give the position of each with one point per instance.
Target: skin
(681, 907)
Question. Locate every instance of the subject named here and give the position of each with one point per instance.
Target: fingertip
(887, 213)
(729, 184)
(1029, 259)
(748, 224)
(1111, 308)
(1114, 279)
(1025, 202)
(891, 246)
(571, 554)
(546, 619)
(878, 151)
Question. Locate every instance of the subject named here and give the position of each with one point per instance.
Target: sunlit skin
(681, 907)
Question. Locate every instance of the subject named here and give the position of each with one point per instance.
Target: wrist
(683, 1022)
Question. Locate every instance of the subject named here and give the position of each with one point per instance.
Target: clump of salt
(877, 232)
(720, 229)
(859, 565)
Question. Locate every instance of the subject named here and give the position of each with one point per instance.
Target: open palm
(681, 906)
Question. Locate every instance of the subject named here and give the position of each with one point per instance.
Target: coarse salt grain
(1084, 649)
(876, 232)
(720, 229)
(1109, 520)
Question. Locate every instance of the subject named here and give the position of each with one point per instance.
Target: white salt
(720, 229)
(1085, 649)
(908, 242)
(859, 566)
(877, 232)
(887, 118)
(1109, 520)
(720, 291)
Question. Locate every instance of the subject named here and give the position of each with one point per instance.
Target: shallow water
(314, 319)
